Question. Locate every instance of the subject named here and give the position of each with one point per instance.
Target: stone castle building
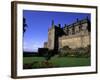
(75, 35)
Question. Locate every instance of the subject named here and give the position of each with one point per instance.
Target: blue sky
(38, 23)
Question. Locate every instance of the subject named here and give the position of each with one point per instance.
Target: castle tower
(53, 34)
(51, 37)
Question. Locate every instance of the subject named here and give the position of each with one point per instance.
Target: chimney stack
(77, 19)
(59, 25)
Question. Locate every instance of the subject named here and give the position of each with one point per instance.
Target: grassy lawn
(31, 59)
(70, 61)
(57, 61)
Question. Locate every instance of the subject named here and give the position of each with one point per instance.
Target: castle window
(66, 30)
(73, 30)
(84, 26)
(76, 29)
(70, 31)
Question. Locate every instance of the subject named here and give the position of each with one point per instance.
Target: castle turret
(53, 24)
(54, 32)
(51, 36)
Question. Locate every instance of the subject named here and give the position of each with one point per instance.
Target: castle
(75, 35)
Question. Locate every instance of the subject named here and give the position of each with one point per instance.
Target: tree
(49, 55)
(24, 25)
(66, 48)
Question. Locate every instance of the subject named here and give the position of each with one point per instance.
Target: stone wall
(51, 38)
(45, 44)
(75, 41)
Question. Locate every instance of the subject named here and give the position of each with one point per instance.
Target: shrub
(78, 52)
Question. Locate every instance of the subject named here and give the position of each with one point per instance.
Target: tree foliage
(24, 25)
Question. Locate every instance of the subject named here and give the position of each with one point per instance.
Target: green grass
(57, 61)
(32, 59)
(70, 61)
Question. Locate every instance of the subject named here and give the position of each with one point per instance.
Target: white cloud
(30, 46)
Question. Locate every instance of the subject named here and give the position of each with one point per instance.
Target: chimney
(65, 25)
(77, 19)
(87, 18)
(59, 25)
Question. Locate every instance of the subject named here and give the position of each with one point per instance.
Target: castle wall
(75, 35)
(51, 39)
(45, 44)
(76, 41)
